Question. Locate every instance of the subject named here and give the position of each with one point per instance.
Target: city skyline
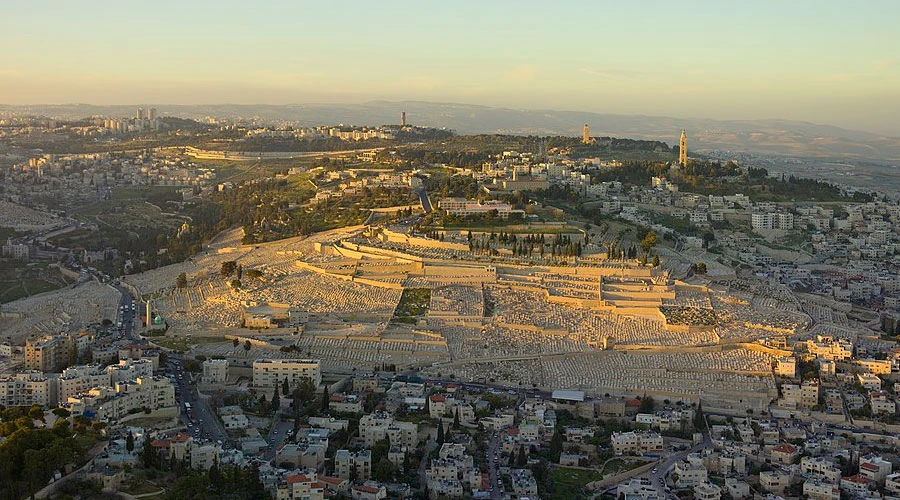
(826, 62)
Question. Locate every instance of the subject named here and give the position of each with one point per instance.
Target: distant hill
(763, 137)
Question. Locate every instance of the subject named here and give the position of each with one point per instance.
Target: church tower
(586, 135)
(682, 151)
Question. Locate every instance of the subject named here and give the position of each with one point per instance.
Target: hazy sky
(818, 60)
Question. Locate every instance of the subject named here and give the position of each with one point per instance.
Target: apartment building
(215, 371)
(355, 465)
(112, 403)
(25, 389)
(271, 373)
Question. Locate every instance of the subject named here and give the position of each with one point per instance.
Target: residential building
(636, 443)
(707, 491)
(25, 389)
(689, 474)
(271, 373)
(353, 465)
(215, 371)
(816, 489)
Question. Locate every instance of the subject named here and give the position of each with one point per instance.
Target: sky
(825, 61)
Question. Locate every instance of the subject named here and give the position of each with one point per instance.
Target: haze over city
(466, 250)
(823, 61)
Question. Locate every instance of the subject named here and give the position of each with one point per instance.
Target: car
(655, 470)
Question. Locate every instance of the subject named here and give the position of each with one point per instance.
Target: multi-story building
(464, 207)
(816, 489)
(786, 367)
(130, 369)
(881, 402)
(111, 403)
(825, 347)
(821, 468)
(271, 373)
(215, 371)
(635, 443)
(690, 474)
(892, 484)
(377, 426)
(25, 389)
(869, 381)
(78, 379)
(874, 468)
(707, 491)
(774, 481)
(809, 393)
(353, 465)
(876, 366)
(52, 353)
(299, 487)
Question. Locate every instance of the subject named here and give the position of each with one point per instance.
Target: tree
(181, 281)
(285, 388)
(556, 444)
(700, 268)
(129, 442)
(247, 346)
(440, 433)
(648, 242)
(276, 400)
(647, 404)
(522, 458)
(235, 342)
(306, 390)
(383, 471)
(228, 268)
(655, 260)
(325, 399)
(699, 420)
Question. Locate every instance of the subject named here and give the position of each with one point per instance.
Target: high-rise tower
(586, 135)
(682, 150)
(403, 118)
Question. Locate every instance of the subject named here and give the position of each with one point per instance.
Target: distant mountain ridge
(763, 137)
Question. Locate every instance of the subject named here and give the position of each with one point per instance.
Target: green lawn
(413, 303)
(567, 483)
(16, 283)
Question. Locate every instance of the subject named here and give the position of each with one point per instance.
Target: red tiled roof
(868, 466)
(632, 403)
(297, 478)
(858, 479)
(331, 479)
(437, 398)
(785, 448)
(160, 443)
(366, 489)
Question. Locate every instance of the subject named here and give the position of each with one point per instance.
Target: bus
(188, 410)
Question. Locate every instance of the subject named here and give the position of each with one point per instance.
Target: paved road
(492, 455)
(203, 423)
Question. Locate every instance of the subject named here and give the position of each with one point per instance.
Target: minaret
(586, 135)
(682, 151)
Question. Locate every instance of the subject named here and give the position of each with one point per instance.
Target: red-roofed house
(335, 484)
(784, 453)
(857, 485)
(364, 492)
(437, 405)
(300, 487)
(874, 468)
